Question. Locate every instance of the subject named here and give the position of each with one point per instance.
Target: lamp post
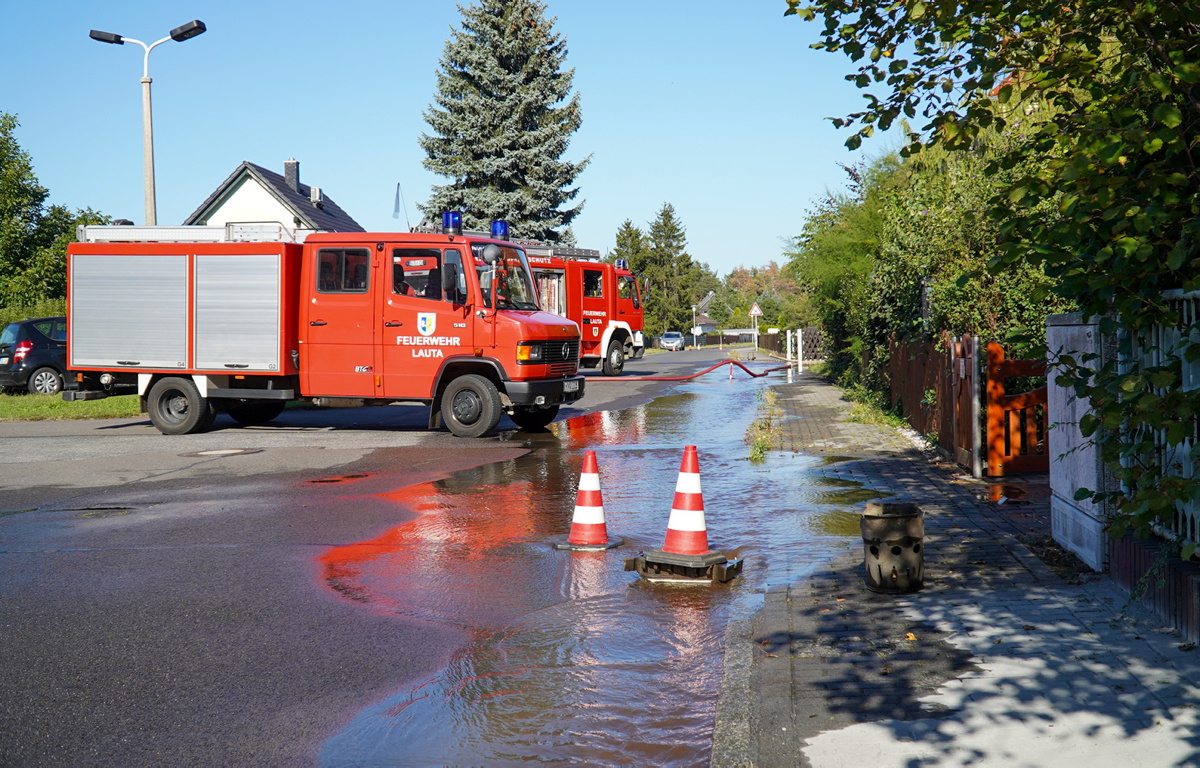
(179, 34)
(694, 344)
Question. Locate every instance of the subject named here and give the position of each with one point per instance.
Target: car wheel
(176, 407)
(471, 406)
(614, 361)
(256, 412)
(45, 381)
(531, 418)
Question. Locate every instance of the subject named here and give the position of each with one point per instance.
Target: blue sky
(718, 108)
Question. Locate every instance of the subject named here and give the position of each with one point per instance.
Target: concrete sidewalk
(997, 661)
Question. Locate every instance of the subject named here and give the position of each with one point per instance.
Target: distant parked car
(672, 340)
(33, 355)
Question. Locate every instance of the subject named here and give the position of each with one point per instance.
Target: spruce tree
(501, 121)
(631, 246)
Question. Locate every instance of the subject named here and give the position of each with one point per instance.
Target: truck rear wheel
(614, 360)
(256, 411)
(471, 406)
(529, 418)
(176, 407)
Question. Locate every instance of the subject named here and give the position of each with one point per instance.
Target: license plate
(571, 386)
(3, 360)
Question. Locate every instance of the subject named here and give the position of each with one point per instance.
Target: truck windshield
(514, 284)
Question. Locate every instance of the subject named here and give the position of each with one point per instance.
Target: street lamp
(179, 34)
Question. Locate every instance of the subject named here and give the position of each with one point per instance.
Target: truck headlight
(529, 353)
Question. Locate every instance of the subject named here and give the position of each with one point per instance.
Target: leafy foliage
(33, 236)
(1118, 84)
(502, 120)
(782, 299)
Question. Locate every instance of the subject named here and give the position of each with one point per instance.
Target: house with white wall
(253, 194)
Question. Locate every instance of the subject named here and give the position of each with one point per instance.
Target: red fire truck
(242, 318)
(602, 298)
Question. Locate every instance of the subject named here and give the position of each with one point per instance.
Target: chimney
(291, 174)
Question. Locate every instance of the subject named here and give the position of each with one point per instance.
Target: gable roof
(327, 216)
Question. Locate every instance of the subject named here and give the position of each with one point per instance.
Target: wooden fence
(814, 343)
(936, 384)
(919, 383)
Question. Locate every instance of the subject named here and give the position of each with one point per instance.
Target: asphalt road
(159, 606)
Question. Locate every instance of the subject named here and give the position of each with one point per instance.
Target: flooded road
(571, 658)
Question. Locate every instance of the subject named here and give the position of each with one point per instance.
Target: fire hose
(730, 363)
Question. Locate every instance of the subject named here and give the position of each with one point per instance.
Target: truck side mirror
(491, 253)
(450, 279)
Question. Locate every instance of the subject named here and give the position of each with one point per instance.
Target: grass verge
(764, 433)
(871, 408)
(53, 408)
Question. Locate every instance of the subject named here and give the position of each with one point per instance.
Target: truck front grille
(561, 364)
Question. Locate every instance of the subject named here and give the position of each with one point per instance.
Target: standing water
(570, 658)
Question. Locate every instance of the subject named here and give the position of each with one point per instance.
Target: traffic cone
(588, 529)
(685, 556)
(686, 532)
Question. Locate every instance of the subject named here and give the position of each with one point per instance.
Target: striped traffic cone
(685, 556)
(588, 529)
(686, 532)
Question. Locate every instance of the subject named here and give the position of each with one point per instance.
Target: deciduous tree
(33, 236)
(1118, 84)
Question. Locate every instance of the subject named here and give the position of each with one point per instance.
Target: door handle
(318, 322)
(392, 325)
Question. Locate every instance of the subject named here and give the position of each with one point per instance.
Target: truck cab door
(594, 304)
(337, 358)
(421, 323)
(629, 304)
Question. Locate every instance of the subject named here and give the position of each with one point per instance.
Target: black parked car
(33, 355)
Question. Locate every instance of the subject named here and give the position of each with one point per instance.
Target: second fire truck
(602, 298)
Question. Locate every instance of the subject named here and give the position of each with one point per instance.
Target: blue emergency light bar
(452, 222)
(622, 264)
(500, 229)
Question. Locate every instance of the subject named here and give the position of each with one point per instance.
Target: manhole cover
(223, 452)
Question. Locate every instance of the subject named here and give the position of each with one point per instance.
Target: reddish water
(572, 659)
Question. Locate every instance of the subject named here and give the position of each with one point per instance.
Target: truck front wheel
(614, 361)
(471, 406)
(176, 407)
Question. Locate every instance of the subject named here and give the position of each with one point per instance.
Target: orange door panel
(594, 305)
(338, 356)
